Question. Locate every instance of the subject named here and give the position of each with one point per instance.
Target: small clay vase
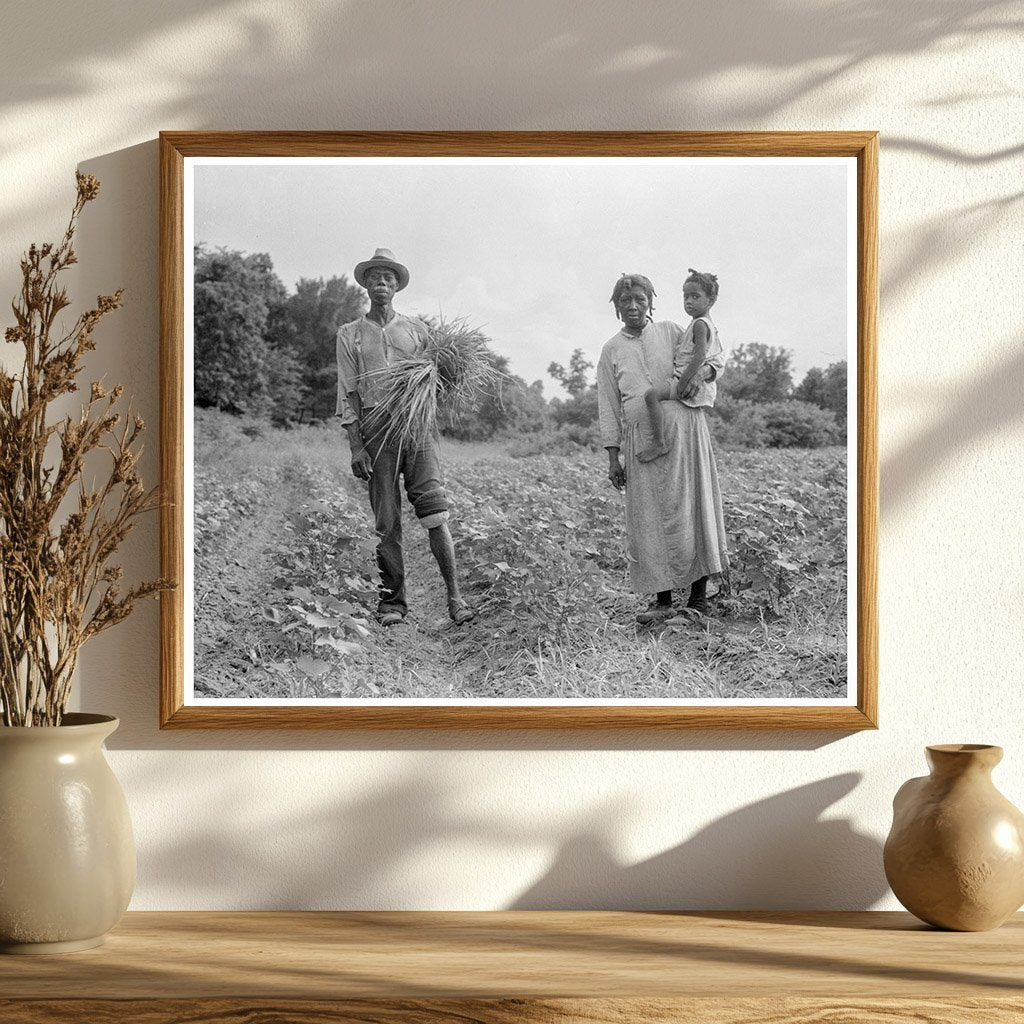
(955, 854)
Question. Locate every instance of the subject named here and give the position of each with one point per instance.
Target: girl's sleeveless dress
(707, 390)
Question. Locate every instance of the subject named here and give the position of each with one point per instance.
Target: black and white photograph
(520, 430)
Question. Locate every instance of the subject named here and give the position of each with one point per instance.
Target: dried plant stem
(455, 372)
(57, 588)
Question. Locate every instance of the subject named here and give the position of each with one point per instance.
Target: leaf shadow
(962, 421)
(399, 844)
(779, 853)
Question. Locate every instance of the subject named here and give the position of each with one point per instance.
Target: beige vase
(955, 854)
(67, 856)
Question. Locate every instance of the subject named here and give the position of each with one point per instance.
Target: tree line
(758, 404)
(268, 353)
(261, 351)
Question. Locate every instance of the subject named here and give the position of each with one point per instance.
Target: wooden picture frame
(179, 149)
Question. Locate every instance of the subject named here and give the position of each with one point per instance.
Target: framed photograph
(519, 430)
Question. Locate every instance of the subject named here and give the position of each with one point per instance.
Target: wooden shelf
(523, 966)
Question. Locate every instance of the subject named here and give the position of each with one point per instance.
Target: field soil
(285, 578)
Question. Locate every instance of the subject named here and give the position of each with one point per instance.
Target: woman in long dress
(674, 527)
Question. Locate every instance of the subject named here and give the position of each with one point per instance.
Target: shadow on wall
(960, 421)
(128, 70)
(290, 55)
(407, 845)
(776, 854)
(117, 246)
(939, 243)
(533, 64)
(378, 849)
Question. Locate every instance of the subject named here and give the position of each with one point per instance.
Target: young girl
(698, 344)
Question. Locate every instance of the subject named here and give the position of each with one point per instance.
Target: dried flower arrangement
(458, 372)
(57, 588)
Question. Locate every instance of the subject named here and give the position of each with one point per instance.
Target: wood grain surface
(527, 954)
(175, 147)
(548, 966)
(515, 1011)
(172, 442)
(302, 143)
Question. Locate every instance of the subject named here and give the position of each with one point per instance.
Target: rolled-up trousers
(419, 470)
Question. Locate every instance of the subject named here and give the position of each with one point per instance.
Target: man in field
(365, 346)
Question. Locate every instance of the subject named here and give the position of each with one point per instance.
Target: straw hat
(383, 258)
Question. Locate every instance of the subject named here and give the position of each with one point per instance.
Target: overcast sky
(529, 252)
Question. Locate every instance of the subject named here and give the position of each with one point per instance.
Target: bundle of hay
(455, 373)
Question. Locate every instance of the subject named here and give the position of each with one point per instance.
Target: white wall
(747, 820)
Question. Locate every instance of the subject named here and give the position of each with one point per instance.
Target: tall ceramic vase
(67, 856)
(955, 855)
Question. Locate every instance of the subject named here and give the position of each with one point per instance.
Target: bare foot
(654, 452)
